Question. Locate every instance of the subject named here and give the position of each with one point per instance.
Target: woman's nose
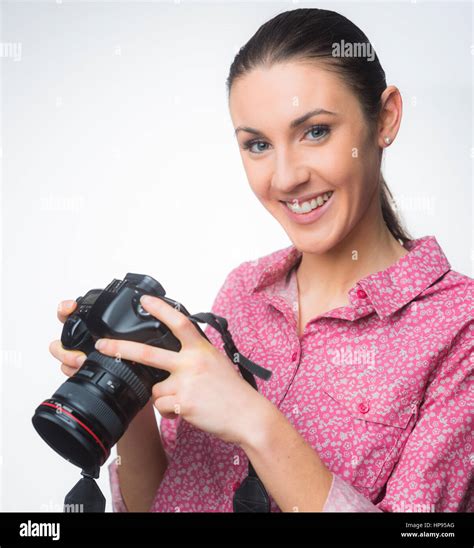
(288, 173)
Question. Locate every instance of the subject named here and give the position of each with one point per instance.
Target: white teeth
(306, 207)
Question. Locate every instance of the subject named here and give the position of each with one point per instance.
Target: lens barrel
(90, 412)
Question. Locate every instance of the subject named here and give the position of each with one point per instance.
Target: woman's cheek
(337, 163)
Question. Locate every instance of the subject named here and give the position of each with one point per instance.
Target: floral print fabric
(381, 389)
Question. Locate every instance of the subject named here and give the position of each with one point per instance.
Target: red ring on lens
(78, 422)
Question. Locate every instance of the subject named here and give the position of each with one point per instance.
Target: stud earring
(387, 140)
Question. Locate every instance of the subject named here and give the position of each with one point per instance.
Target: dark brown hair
(311, 33)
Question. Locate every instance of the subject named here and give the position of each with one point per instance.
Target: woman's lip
(310, 217)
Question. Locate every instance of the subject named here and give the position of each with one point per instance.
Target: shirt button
(235, 485)
(294, 356)
(361, 294)
(364, 407)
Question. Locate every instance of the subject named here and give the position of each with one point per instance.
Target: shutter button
(361, 294)
(363, 407)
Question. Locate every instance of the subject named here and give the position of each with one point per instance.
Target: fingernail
(80, 360)
(145, 299)
(64, 306)
(100, 344)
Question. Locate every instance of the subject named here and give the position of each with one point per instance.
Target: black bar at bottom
(135, 529)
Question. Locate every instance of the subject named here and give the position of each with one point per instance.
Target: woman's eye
(318, 132)
(323, 131)
(250, 144)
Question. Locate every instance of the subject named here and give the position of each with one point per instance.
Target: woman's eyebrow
(295, 123)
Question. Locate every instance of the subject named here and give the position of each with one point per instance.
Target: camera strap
(86, 495)
(251, 495)
(220, 324)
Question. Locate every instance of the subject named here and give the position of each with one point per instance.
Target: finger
(144, 354)
(168, 405)
(72, 358)
(65, 308)
(168, 387)
(181, 327)
(69, 371)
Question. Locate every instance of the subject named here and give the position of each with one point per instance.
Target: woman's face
(286, 162)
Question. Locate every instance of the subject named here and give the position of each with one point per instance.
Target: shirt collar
(386, 290)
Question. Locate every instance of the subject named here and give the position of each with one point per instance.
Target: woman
(368, 332)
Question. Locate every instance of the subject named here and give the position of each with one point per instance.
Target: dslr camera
(91, 410)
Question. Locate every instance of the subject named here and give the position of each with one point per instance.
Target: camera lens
(90, 412)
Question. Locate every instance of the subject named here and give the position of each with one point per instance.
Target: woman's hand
(71, 360)
(203, 386)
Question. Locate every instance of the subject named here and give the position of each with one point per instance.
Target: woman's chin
(316, 242)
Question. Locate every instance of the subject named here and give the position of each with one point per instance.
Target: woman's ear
(390, 116)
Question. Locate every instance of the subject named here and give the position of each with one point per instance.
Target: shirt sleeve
(434, 472)
(118, 504)
(343, 497)
(168, 429)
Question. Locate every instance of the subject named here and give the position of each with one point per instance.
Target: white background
(118, 156)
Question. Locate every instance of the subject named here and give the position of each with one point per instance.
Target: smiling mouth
(309, 205)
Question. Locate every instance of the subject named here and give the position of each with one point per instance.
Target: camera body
(91, 410)
(116, 313)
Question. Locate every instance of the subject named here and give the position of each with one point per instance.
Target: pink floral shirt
(381, 389)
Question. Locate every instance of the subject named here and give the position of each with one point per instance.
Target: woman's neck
(366, 250)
